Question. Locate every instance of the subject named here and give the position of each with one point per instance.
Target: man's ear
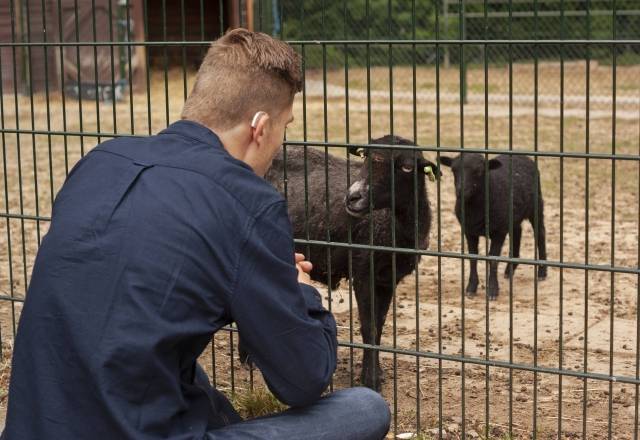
(259, 127)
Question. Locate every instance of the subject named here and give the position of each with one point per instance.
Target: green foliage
(397, 20)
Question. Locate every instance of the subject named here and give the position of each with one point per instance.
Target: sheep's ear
(494, 164)
(431, 170)
(357, 151)
(446, 161)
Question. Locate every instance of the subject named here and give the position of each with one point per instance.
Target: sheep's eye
(406, 168)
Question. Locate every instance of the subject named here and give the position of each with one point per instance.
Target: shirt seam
(209, 179)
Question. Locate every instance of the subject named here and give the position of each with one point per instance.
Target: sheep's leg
(384, 294)
(472, 287)
(494, 250)
(367, 329)
(541, 241)
(517, 235)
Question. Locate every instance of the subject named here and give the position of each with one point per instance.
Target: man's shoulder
(203, 168)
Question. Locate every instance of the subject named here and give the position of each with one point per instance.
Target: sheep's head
(469, 171)
(374, 184)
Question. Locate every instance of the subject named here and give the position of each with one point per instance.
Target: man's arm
(283, 325)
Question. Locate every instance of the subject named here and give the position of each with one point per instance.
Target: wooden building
(26, 24)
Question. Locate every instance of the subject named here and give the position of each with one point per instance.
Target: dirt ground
(563, 322)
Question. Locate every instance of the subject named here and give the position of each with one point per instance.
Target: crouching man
(155, 244)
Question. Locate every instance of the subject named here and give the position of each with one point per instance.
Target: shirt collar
(199, 132)
(195, 131)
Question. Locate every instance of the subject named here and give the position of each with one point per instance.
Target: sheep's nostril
(353, 197)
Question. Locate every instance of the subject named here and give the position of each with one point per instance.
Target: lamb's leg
(541, 242)
(494, 250)
(472, 287)
(510, 269)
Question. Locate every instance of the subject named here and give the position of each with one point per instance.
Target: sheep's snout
(357, 199)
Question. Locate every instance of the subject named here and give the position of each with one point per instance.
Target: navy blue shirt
(155, 244)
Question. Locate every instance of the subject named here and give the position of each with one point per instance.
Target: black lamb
(373, 176)
(527, 195)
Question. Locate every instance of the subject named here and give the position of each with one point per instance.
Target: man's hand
(304, 268)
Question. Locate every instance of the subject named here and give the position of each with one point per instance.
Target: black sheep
(353, 210)
(526, 193)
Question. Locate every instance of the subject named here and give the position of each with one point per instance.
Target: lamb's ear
(494, 164)
(431, 170)
(446, 161)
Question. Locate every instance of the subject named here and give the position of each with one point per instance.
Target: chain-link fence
(553, 80)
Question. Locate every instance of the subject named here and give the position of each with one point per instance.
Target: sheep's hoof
(542, 274)
(373, 383)
(509, 271)
(471, 294)
(493, 296)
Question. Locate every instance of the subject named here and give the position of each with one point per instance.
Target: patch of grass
(255, 403)
(5, 374)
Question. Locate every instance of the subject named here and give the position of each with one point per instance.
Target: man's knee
(372, 407)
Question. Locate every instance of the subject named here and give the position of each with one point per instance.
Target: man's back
(134, 276)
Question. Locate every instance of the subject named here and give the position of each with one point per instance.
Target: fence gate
(552, 80)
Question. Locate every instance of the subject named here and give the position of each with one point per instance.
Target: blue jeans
(349, 414)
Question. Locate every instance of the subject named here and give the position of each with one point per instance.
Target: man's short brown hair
(242, 73)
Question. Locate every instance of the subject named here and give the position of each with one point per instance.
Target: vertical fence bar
(46, 94)
(79, 76)
(6, 196)
(586, 225)
(62, 91)
(130, 65)
(166, 61)
(637, 390)
(145, 12)
(510, 57)
(305, 136)
(393, 204)
(613, 215)
(325, 116)
(184, 49)
(439, 219)
(462, 98)
(14, 24)
(95, 65)
(487, 340)
(370, 173)
(416, 219)
(536, 225)
(33, 128)
(561, 277)
(113, 73)
(349, 226)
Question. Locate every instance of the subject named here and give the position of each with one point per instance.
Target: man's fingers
(306, 266)
(299, 257)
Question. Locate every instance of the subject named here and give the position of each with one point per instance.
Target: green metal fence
(553, 80)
